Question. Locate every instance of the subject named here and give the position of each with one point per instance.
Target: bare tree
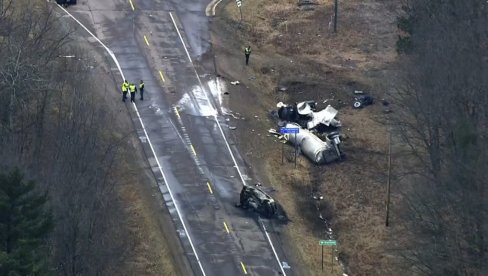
(442, 118)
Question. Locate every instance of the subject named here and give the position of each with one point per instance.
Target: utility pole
(335, 16)
(387, 219)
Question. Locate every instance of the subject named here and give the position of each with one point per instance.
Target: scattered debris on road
(235, 82)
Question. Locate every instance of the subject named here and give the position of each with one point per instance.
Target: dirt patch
(296, 56)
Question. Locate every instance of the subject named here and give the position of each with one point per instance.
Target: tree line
(57, 130)
(442, 121)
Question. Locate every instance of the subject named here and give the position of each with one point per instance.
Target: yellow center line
(210, 188)
(243, 268)
(177, 113)
(147, 41)
(226, 228)
(161, 75)
(193, 149)
(132, 5)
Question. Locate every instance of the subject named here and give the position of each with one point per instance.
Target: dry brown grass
(299, 46)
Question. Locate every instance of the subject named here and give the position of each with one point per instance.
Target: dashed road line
(147, 41)
(132, 5)
(177, 113)
(210, 188)
(162, 76)
(193, 150)
(244, 268)
(226, 228)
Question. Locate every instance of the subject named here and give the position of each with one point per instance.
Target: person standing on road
(133, 90)
(125, 88)
(247, 53)
(141, 89)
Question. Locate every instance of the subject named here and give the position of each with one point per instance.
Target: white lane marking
(225, 139)
(181, 38)
(148, 140)
(211, 7)
(272, 247)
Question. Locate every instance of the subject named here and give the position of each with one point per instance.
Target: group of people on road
(132, 88)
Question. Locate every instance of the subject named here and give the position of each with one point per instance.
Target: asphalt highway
(180, 123)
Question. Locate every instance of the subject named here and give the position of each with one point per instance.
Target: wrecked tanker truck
(305, 117)
(257, 200)
(317, 150)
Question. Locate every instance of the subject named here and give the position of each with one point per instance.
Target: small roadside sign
(287, 130)
(328, 242)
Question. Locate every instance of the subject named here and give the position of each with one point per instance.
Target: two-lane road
(199, 170)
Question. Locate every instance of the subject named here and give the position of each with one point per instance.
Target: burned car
(66, 2)
(257, 200)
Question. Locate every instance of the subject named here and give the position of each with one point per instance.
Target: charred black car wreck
(66, 2)
(257, 200)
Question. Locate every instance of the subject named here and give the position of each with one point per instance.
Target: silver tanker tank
(313, 147)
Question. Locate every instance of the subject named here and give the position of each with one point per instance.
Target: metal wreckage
(255, 199)
(311, 124)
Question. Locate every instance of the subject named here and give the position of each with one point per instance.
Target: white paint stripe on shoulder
(181, 38)
(226, 141)
(148, 140)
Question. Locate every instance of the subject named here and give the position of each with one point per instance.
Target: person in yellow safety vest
(125, 88)
(141, 89)
(133, 90)
(247, 52)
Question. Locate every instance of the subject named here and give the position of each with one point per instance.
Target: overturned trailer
(317, 150)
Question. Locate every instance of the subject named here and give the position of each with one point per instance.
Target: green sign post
(327, 243)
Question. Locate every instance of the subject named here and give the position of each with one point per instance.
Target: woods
(24, 224)
(57, 129)
(442, 121)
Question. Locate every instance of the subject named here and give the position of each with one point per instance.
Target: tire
(357, 104)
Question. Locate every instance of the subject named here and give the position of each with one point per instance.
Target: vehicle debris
(234, 82)
(304, 113)
(256, 199)
(320, 152)
(66, 2)
(363, 101)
